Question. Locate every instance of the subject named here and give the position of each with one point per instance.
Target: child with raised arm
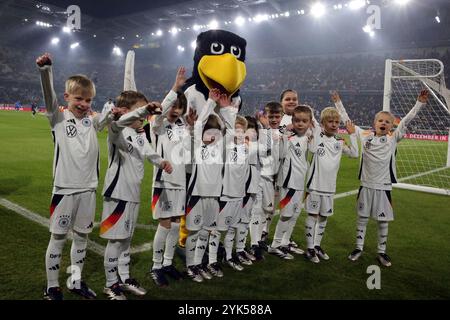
(377, 174)
(75, 173)
(128, 149)
(321, 179)
(172, 140)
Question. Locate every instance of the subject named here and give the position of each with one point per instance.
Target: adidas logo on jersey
(321, 145)
(382, 214)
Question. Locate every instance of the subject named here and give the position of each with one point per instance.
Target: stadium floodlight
(356, 4)
(286, 14)
(95, 36)
(318, 10)
(372, 33)
(195, 27)
(239, 21)
(174, 30)
(180, 48)
(401, 2)
(194, 44)
(367, 28)
(339, 6)
(117, 51)
(302, 11)
(262, 17)
(159, 33)
(137, 36)
(66, 29)
(74, 45)
(55, 41)
(438, 20)
(213, 24)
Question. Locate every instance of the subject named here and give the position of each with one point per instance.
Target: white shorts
(248, 203)
(267, 189)
(229, 214)
(290, 202)
(375, 203)
(168, 203)
(319, 204)
(201, 212)
(74, 211)
(118, 219)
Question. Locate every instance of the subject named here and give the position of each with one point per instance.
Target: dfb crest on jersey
(86, 122)
(205, 153)
(71, 131)
(197, 219)
(130, 148)
(383, 139)
(337, 146)
(320, 152)
(314, 204)
(140, 141)
(64, 221)
(228, 221)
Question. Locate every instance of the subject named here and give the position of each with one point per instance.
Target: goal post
(423, 158)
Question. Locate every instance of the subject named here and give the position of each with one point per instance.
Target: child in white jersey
(377, 174)
(321, 180)
(75, 173)
(128, 149)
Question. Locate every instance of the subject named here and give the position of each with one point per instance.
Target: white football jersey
(269, 152)
(322, 173)
(253, 173)
(76, 156)
(377, 167)
(128, 150)
(173, 143)
(294, 165)
(285, 121)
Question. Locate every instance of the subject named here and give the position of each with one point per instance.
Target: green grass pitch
(418, 243)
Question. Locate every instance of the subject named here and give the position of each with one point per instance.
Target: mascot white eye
(217, 48)
(236, 51)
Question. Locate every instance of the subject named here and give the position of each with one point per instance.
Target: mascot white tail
(128, 81)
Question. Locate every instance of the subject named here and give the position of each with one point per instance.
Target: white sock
(78, 253)
(171, 243)
(159, 242)
(310, 226)
(320, 230)
(228, 242)
(287, 235)
(361, 231)
(111, 261)
(241, 236)
(53, 259)
(124, 260)
(191, 241)
(382, 236)
(200, 247)
(255, 223)
(280, 230)
(213, 246)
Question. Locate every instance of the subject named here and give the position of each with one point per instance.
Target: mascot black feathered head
(219, 62)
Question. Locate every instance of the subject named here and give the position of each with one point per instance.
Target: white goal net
(423, 161)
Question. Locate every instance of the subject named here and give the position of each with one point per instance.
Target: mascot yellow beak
(223, 72)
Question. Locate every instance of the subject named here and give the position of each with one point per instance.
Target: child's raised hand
(224, 101)
(214, 94)
(350, 127)
(166, 166)
(117, 113)
(191, 117)
(180, 79)
(44, 60)
(262, 118)
(423, 97)
(154, 107)
(335, 96)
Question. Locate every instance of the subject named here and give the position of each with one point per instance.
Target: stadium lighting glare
(339, 6)
(302, 11)
(401, 2)
(195, 27)
(318, 10)
(372, 34)
(194, 44)
(286, 14)
(117, 51)
(74, 45)
(262, 17)
(66, 29)
(55, 41)
(137, 36)
(159, 33)
(95, 36)
(174, 30)
(356, 4)
(180, 48)
(239, 21)
(438, 20)
(213, 24)
(367, 28)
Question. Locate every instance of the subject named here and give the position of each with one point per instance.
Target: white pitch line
(37, 218)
